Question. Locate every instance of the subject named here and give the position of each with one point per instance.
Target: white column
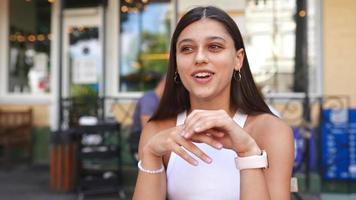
(55, 34)
(4, 47)
(112, 47)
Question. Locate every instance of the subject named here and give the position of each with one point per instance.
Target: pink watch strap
(252, 162)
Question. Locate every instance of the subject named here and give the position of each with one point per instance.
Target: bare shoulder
(267, 125)
(275, 137)
(270, 132)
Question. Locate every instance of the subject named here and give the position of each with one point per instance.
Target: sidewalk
(32, 183)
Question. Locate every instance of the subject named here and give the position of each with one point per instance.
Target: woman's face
(206, 58)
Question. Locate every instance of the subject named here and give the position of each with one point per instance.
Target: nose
(201, 57)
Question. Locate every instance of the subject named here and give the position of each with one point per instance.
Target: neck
(212, 104)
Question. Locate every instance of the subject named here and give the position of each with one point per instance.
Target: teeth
(202, 74)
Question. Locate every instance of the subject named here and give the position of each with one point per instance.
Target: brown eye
(215, 47)
(186, 49)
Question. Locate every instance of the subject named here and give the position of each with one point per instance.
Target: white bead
(157, 171)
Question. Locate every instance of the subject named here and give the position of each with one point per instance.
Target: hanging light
(302, 13)
(124, 9)
(31, 38)
(41, 37)
(20, 38)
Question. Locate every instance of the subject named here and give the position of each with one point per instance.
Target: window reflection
(85, 61)
(144, 43)
(29, 40)
(270, 25)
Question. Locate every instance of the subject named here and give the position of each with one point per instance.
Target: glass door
(82, 63)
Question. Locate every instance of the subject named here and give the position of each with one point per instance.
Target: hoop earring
(237, 75)
(176, 78)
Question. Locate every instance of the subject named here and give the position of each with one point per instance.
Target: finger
(179, 130)
(194, 113)
(191, 147)
(202, 138)
(198, 113)
(204, 124)
(214, 132)
(183, 154)
(192, 118)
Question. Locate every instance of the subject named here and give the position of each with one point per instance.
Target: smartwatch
(252, 162)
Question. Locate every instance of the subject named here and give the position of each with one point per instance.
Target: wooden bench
(16, 133)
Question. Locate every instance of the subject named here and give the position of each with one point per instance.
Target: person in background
(146, 106)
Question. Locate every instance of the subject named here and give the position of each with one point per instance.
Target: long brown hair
(244, 94)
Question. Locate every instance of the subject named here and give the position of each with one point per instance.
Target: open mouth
(203, 75)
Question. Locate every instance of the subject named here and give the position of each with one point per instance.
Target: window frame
(114, 77)
(315, 74)
(6, 96)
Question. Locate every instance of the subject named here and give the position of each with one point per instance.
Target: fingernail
(219, 145)
(208, 160)
(195, 163)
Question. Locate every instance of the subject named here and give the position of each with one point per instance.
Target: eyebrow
(209, 39)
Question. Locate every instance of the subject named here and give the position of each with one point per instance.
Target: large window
(29, 46)
(271, 45)
(144, 43)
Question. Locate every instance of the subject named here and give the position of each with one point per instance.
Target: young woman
(213, 136)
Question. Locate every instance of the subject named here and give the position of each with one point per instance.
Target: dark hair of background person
(244, 93)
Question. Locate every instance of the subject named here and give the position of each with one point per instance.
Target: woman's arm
(276, 138)
(149, 186)
(155, 142)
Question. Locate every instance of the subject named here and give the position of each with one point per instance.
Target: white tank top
(218, 180)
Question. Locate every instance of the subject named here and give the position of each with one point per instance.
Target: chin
(203, 96)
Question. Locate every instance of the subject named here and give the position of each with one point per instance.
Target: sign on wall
(84, 71)
(338, 144)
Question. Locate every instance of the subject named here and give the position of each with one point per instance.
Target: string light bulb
(41, 37)
(31, 38)
(302, 13)
(124, 9)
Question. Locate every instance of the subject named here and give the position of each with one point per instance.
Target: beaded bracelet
(157, 171)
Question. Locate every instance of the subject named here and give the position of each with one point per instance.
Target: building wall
(40, 112)
(339, 43)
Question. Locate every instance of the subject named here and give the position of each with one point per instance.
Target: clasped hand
(213, 127)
